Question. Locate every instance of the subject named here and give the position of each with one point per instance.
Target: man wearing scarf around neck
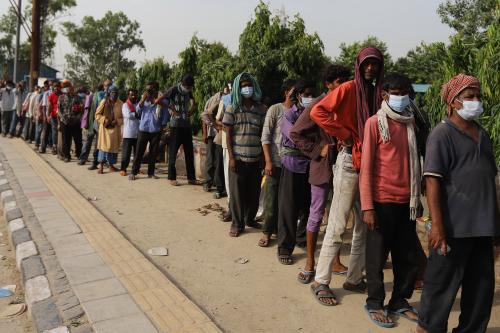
(389, 182)
(460, 175)
(109, 117)
(342, 114)
(130, 129)
(180, 101)
(243, 121)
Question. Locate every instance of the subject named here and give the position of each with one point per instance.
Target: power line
(23, 20)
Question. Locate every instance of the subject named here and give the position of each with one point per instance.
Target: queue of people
(355, 150)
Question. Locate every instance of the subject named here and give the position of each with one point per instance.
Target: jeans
(345, 197)
(271, 191)
(142, 141)
(319, 198)
(27, 128)
(87, 147)
(181, 136)
(469, 265)
(38, 133)
(294, 200)
(50, 131)
(396, 234)
(7, 121)
(17, 120)
(128, 145)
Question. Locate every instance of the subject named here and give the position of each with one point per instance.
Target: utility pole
(35, 43)
(18, 36)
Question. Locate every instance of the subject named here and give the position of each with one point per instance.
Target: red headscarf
(363, 108)
(457, 84)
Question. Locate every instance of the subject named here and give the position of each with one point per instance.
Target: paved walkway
(120, 290)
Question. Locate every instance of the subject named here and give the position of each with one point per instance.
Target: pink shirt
(385, 167)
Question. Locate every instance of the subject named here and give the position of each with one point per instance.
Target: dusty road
(259, 296)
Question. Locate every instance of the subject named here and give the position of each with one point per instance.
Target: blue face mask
(398, 103)
(247, 92)
(307, 101)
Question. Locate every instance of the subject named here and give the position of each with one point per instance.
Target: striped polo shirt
(247, 129)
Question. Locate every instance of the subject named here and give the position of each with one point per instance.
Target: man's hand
(232, 165)
(324, 151)
(268, 169)
(437, 238)
(370, 218)
(204, 138)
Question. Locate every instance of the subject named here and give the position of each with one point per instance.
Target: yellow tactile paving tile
(167, 307)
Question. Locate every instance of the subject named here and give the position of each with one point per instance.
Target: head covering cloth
(236, 97)
(363, 107)
(457, 84)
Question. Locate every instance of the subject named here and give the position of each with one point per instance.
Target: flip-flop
(340, 273)
(174, 183)
(376, 322)
(401, 313)
(264, 242)
(323, 287)
(308, 275)
(285, 259)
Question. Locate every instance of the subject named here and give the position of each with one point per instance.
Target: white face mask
(65, 90)
(247, 92)
(398, 103)
(307, 101)
(470, 110)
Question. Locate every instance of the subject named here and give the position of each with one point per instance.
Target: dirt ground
(10, 275)
(259, 296)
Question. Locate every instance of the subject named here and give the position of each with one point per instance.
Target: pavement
(99, 228)
(117, 287)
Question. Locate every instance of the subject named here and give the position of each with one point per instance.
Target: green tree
(420, 63)
(52, 11)
(100, 47)
(156, 70)
(275, 48)
(349, 52)
(468, 17)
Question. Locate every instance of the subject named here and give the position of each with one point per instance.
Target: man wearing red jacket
(342, 114)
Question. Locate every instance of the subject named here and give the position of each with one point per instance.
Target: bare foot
(420, 329)
(264, 241)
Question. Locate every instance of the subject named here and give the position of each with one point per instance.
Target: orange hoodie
(336, 114)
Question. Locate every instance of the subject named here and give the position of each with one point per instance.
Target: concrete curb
(47, 300)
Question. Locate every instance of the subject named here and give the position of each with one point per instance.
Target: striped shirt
(247, 129)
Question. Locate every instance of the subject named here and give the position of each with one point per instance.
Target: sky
(168, 25)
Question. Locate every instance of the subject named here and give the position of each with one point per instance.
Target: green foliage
(100, 46)
(349, 52)
(420, 63)
(156, 70)
(51, 11)
(275, 48)
(468, 17)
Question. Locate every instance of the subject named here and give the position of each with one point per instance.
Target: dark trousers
(6, 121)
(17, 120)
(210, 162)
(396, 234)
(181, 136)
(71, 132)
(87, 147)
(127, 145)
(470, 265)
(294, 200)
(219, 181)
(271, 191)
(244, 186)
(142, 141)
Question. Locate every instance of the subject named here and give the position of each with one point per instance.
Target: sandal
(194, 182)
(306, 277)
(174, 183)
(264, 242)
(402, 313)
(285, 259)
(254, 224)
(317, 289)
(234, 232)
(369, 312)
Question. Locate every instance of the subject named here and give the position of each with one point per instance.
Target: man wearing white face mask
(460, 180)
(389, 183)
(8, 106)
